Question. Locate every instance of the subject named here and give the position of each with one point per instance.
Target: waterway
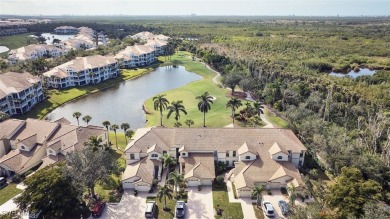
(353, 74)
(123, 102)
(50, 37)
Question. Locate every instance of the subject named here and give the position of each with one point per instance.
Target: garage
(142, 187)
(193, 182)
(206, 182)
(128, 185)
(244, 193)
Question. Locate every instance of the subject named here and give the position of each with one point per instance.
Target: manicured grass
(59, 97)
(230, 210)
(218, 116)
(161, 213)
(277, 121)
(16, 41)
(8, 192)
(258, 211)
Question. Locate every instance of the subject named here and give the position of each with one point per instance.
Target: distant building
(149, 36)
(82, 71)
(12, 31)
(34, 51)
(66, 30)
(85, 39)
(25, 144)
(19, 92)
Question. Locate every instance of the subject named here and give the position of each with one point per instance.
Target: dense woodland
(284, 62)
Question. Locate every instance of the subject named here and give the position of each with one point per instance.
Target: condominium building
(19, 92)
(34, 51)
(82, 71)
(25, 144)
(145, 35)
(267, 156)
(66, 30)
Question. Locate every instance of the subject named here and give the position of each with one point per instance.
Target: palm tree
(77, 115)
(292, 194)
(164, 193)
(257, 192)
(204, 104)
(160, 103)
(259, 106)
(168, 161)
(94, 143)
(234, 104)
(129, 133)
(176, 107)
(114, 127)
(87, 119)
(189, 122)
(125, 126)
(107, 125)
(177, 179)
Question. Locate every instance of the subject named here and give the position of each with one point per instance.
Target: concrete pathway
(230, 126)
(9, 206)
(266, 121)
(200, 203)
(246, 203)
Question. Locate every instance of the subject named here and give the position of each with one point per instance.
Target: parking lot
(274, 198)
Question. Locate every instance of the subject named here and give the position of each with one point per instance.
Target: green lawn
(59, 97)
(16, 41)
(161, 213)
(230, 210)
(8, 192)
(258, 212)
(277, 121)
(218, 116)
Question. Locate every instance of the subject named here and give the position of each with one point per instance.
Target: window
(227, 163)
(247, 157)
(164, 152)
(23, 147)
(132, 157)
(227, 154)
(154, 155)
(301, 154)
(183, 154)
(280, 157)
(234, 153)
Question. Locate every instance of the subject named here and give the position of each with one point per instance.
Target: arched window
(154, 155)
(183, 154)
(280, 157)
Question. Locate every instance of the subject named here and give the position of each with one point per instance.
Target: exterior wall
(243, 157)
(296, 159)
(24, 147)
(206, 182)
(244, 192)
(279, 182)
(50, 151)
(136, 158)
(193, 182)
(283, 155)
(142, 187)
(128, 183)
(150, 156)
(5, 147)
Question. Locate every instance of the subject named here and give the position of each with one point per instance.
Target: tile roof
(276, 149)
(7, 127)
(144, 169)
(17, 159)
(199, 165)
(12, 82)
(26, 52)
(42, 129)
(51, 159)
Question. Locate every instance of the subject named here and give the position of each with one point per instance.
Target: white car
(268, 209)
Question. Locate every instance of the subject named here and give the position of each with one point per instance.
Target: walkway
(200, 203)
(246, 203)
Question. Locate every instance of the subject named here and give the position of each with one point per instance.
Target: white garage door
(143, 188)
(244, 193)
(193, 182)
(128, 185)
(274, 185)
(207, 182)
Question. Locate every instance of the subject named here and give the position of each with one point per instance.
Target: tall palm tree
(189, 122)
(292, 194)
(234, 104)
(107, 125)
(257, 193)
(94, 143)
(129, 133)
(114, 127)
(164, 193)
(168, 161)
(204, 104)
(177, 179)
(259, 106)
(125, 126)
(160, 103)
(176, 107)
(87, 119)
(77, 115)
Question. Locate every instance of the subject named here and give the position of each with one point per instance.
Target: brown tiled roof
(199, 165)
(42, 129)
(63, 121)
(8, 126)
(143, 169)
(51, 159)
(276, 149)
(12, 82)
(16, 159)
(30, 141)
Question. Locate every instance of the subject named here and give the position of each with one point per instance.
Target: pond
(353, 74)
(123, 102)
(49, 37)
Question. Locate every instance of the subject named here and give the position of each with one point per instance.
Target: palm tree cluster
(250, 114)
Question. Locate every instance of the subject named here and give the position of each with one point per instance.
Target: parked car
(283, 207)
(97, 209)
(180, 209)
(151, 209)
(268, 209)
(3, 182)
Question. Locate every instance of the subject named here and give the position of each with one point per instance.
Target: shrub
(283, 190)
(28, 173)
(220, 179)
(135, 192)
(269, 192)
(17, 178)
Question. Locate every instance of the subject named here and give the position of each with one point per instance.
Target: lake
(353, 74)
(123, 102)
(49, 37)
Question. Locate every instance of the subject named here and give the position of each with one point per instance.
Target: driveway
(200, 203)
(130, 206)
(274, 198)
